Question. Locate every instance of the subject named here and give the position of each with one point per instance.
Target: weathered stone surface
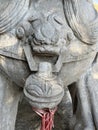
(37, 34)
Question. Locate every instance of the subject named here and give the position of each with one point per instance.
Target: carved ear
(83, 19)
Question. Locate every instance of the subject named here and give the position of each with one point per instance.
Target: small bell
(44, 92)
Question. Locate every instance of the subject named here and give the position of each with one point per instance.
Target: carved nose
(50, 33)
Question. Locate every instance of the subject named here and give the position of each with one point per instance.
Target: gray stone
(48, 58)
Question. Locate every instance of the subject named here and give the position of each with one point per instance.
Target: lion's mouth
(46, 47)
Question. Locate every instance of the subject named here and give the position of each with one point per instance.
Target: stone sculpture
(48, 51)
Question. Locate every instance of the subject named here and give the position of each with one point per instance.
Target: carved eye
(58, 20)
(35, 22)
(32, 19)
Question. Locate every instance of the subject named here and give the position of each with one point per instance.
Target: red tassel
(47, 118)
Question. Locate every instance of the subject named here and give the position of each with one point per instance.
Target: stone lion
(48, 50)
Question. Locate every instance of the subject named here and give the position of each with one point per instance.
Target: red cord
(47, 116)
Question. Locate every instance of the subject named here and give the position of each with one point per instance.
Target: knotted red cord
(47, 118)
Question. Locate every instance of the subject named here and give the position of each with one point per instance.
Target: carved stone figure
(48, 52)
